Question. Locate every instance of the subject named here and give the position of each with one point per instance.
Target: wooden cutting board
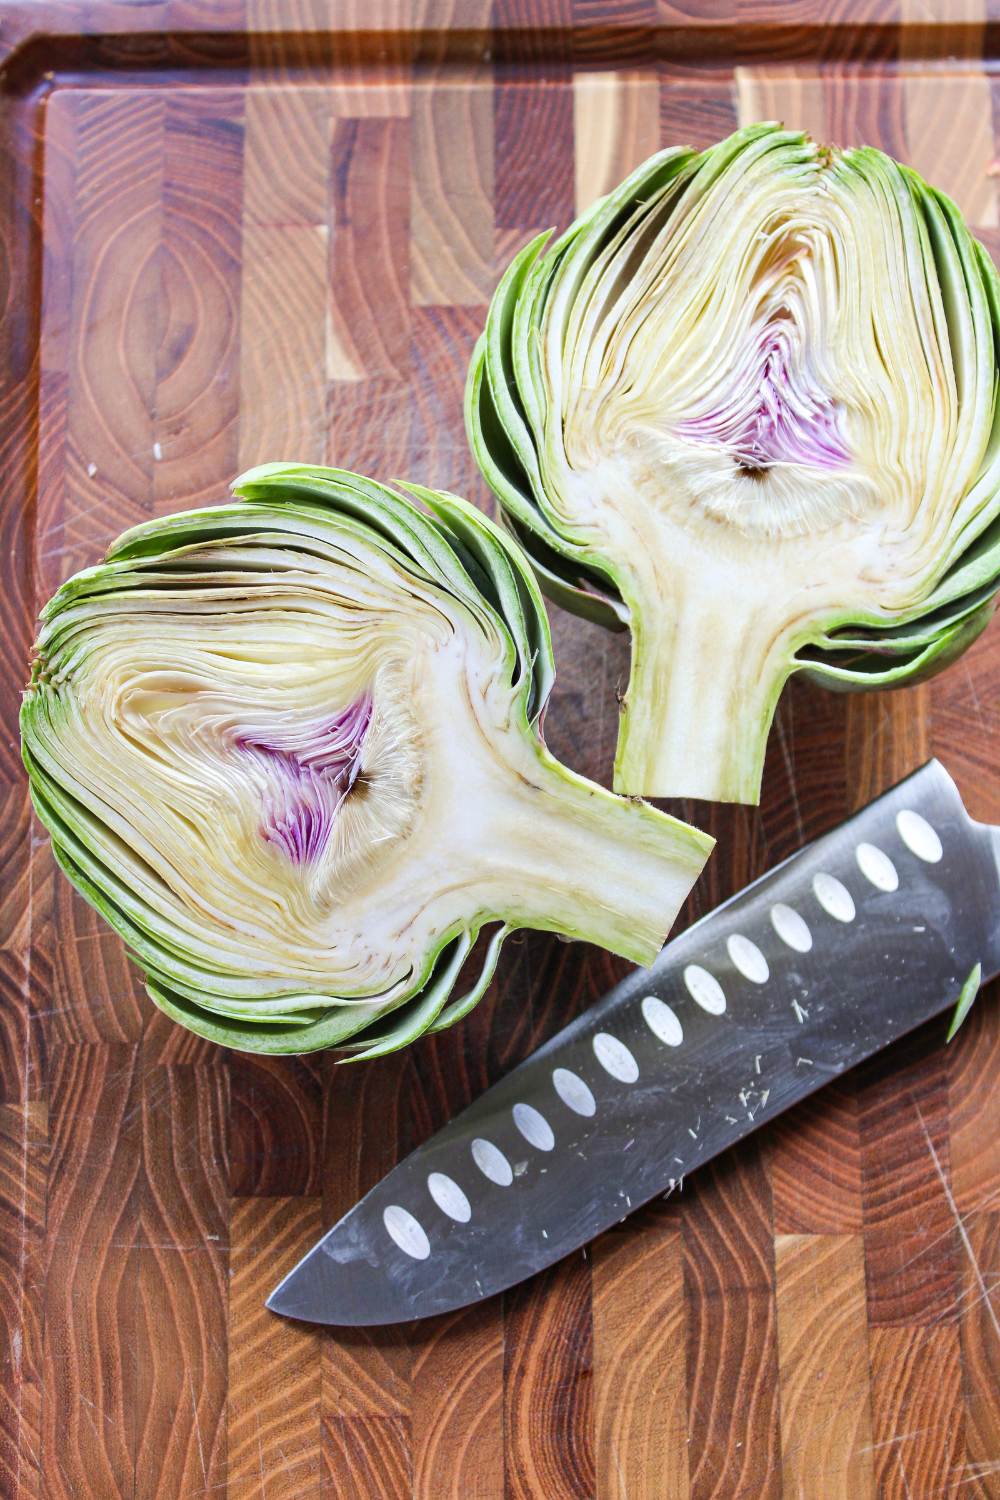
(245, 231)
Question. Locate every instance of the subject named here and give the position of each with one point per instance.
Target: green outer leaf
(926, 663)
(314, 1035)
(604, 608)
(498, 367)
(518, 597)
(496, 455)
(900, 639)
(966, 997)
(461, 1007)
(425, 1010)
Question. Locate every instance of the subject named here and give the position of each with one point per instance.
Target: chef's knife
(849, 944)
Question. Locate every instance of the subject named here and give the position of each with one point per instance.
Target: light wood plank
(640, 1360)
(823, 1360)
(273, 1415)
(616, 125)
(451, 202)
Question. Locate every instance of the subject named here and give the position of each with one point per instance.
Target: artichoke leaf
(289, 748)
(750, 401)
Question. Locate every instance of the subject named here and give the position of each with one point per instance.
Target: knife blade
(849, 944)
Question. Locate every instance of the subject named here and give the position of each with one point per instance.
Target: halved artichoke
(746, 407)
(290, 748)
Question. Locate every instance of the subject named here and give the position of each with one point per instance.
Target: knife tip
(291, 1307)
(275, 1304)
(286, 1298)
(307, 1295)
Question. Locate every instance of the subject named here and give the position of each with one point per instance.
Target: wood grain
(457, 1408)
(182, 1302)
(908, 1214)
(275, 1121)
(369, 250)
(239, 230)
(91, 1295)
(980, 1350)
(640, 1364)
(816, 1169)
(23, 1171)
(196, 428)
(365, 1455)
(616, 118)
(974, 1108)
(823, 1358)
(451, 198)
(548, 1391)
(732, 1354)
(115, 328)
(274, 1368)
(284, 340)
(443, 340)
(534, 139)
(917, 1421)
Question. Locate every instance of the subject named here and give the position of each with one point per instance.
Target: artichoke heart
(746, 408)
(290, 748)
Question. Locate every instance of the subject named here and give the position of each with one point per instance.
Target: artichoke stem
(573, 859)
(703, 688)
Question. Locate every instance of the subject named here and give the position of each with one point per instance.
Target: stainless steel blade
(851, 943)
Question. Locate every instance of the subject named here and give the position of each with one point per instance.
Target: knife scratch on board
(959, 1221)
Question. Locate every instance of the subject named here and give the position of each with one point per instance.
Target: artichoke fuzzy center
(309, 770)
(773, 385)
(775, 415)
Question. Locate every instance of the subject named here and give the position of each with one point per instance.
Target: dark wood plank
(815, 1159)
(443, 339)
(275, 1126)
(974, 1106)
(369, 250)
(614, 32)
(182, 1258)
(23, 1171)
(533, 127)
(17, 1062)
(980, 1346)
(699, 115)
(548, 1385)
(92, 1342)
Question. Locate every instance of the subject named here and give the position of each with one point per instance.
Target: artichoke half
(746, 407)
(290, 748)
